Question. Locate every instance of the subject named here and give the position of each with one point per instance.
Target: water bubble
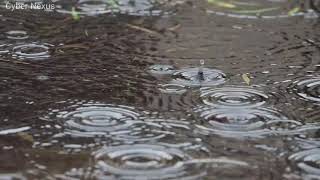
(161, 69)
(190, 77)
(233, 97)
(308, 161)
(308, 89)
(237, 122)
(143, 161)
(32, 51)
(17, 35)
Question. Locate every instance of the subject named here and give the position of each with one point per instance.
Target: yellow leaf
(222, 4)
(26, 137)
(246, 79)
(75, 15)
(293, 11)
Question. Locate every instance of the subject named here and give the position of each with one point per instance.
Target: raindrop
(190, 77)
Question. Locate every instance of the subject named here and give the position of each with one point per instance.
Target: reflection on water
(252, 9)
(96, 7)
(237, 122)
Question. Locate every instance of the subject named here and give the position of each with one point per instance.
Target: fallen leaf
(294, 11)
(75, 14)
(222, 4)
(246, 79)
(25, 136)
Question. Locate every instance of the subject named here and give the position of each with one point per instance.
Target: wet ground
(160, 90)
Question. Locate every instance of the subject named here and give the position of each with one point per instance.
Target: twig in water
(143, 29)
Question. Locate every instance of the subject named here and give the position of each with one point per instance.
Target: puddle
(156, 90)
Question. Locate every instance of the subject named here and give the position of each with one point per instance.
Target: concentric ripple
(308, 89)
(120, 123)
(32, 51)
(252, 9)
(17, 35)
(172, 88)
(191, 77)
(158, 69)
(238, 122)
(97, 7)
(231, 97)
(5, 48)
(308, 161)
(141, 161)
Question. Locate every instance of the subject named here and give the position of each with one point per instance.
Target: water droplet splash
(190, 77)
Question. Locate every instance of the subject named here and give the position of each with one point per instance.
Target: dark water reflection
(123, 93)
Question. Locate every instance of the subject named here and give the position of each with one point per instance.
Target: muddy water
(156, 90)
